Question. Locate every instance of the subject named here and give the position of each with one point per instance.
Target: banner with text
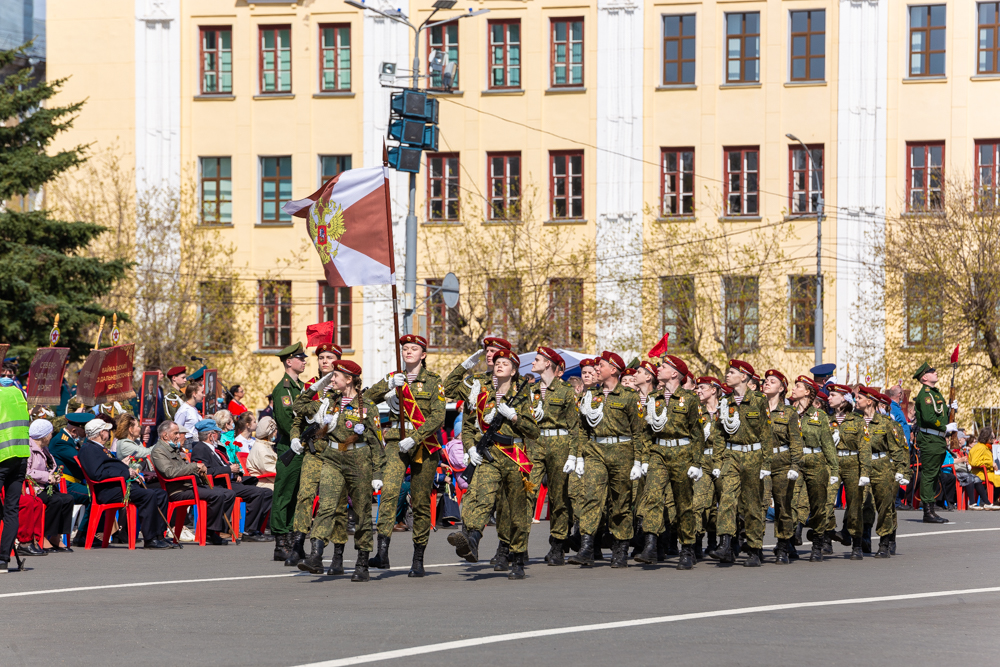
(46, 375)
(106, 376)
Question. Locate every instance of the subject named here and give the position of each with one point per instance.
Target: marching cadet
(901, 476)
(286, 482)
(353, 460)
(628, 378)
(676, 451)
(174, 396)
(854, 452)
(588, 373)
(932, 414)
(613, 442)
(746, 423)
(509, 469)
(786, 462)
(819, 465)
(708, 489)
(888, 461)
(554, 409)
(424, 406)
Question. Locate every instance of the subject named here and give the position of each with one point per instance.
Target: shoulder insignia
(286, 383)
(441, 395)
(286, 400)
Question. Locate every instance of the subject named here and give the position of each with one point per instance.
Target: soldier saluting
(932, 415)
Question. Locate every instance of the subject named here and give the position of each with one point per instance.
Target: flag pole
(395, 301)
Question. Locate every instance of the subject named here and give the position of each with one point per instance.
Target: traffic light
(413, 123)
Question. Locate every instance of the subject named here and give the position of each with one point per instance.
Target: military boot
(856, 553)
(381, 557)
(816, 555)
(585, 556)
(281, 547)
(417, 567)
(661, 547)
(501, 562)
(516, 566)
(866, 539)
(574, 538)
(930, 516)
(883, 547)
(648, 554)
(698, 553)
(724, 552)
(671, 548)
(552, 542)
(619, 554)
(892, 543)
(781, 552)
(797, 535)
(713, 543)
(828, 538)
(466, 544)
(295, 551)
(503, 551)
(754, 558)
(686, 561)
(844, 536)
(361, 567)
(638, 539)
(313, 563)
(790, 549)
(556, 554)
(337, 562)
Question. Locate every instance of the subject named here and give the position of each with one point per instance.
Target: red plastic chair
(29, 489)
(237, 504)
(201, 520)
(98, 509)
(243, 456)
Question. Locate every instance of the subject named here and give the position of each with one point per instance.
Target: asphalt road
(233, 606)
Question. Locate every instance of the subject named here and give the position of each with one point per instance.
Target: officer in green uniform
(14, 453)
(286, 480)
(932, 417)
(745, 461)
(418, 451)
(854, 452)
(173, 396)
(708, 489)
(888, 458)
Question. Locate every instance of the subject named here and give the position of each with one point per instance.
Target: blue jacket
(897, 413)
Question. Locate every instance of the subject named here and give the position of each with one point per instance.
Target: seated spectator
(63, 447)
(972, 486)
(187, 415)
(981, 461)
(29, 526)
(246, 424)
(45, 474)
(128, 434)
(236, 407)
(946, 479)
(169, 464)
(100, 464)
(263, 460)
(221, 469)
(227, 426)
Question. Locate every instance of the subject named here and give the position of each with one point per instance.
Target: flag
(660, 348)
(319, 334)
(954, 355)
(348, 222)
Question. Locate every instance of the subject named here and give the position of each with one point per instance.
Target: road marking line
(947, 532)
(531, 634)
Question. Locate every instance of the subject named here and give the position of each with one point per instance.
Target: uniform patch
(927, 400)
(753, 415)
(349, 424)
(286, 401)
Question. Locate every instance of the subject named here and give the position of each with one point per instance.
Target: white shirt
(186, 417)
(245, 443)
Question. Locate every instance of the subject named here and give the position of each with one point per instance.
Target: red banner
(106, 376)
(46, 375)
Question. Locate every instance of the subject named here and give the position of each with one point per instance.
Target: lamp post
(410, 284)
(818, 335)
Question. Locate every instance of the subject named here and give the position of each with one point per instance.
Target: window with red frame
(334, 57)
(442, 186)
(676, 181)
(216, 61)
(566, 184)
(989, 38)
(988, 171)
(335, 306)
(443, 38)
(566, 312)
(925, 176)
(275, 61)
(505, 53)
(805, 179)
(567, 52)
(274, 314)
(742, 172)
(505, 185)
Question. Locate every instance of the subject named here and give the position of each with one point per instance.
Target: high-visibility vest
(14, 421)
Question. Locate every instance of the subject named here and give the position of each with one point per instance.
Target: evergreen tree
(43, 270)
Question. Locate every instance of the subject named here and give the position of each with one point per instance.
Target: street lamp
(818, 336)
(410, 285)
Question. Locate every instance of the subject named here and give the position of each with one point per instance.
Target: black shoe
(648, 553)
(811, 536)
(81, 538)
(753, 559)
(381, 558)
(797, 535)
(503, 550)
(4, 567)
(556, 554)
(671, 548)
(417, 567)
(713, 544)
(466, 544)
(30, 549)
(573, 543)
(816, 555)
(930, 516)
(866, 539)
(781, 552)
(313, 563)
(724, 551)
(156, 544)
(501, 561)
(337, 562)
(255, 537)
(585, 557)
(361, 567)
(844, 537)
(264, 537)
(619, 554)
(856, 553)
(698, 553)
(281, 547)
(213, 537)
(296, 551)
(60, 550)
(883, 547)
(686, 561)
(516, 566)
(892, 543)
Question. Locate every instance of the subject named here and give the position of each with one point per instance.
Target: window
(808, 45)
(676, 181)
(743, 47)
(678, 49)
(442, 186)
(805, 178)
(504, 306)
(505, 185)
(216, 61)
(925, 167)
(275, 59)
(443, 38)
(924, 313)
(566, 184)
(215, 314)
(927, 40)
(331, 165)
(335, 306)
(989, 34)
(275, 188)
(505, 54)
(741, 181)
(567, 52)
(566, 312)
(677, 302)
(216, 191)
(441, 323)
(987, 172)
(275, 316)
(801, 311)
(334, 57)
(742, 312)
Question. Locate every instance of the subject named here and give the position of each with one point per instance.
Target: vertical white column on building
(384, 41)
(618, 161)
(861, 175)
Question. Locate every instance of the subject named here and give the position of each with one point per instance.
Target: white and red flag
(349, 224)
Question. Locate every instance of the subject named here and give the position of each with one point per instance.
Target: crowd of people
(642, 456)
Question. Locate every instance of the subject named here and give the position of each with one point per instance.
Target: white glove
(636, 471)
(792, 475)
(406, 444)
(899, 478)
(359, 428)
(765, 473)
(954, 406)
(695, 473)
(951, 428)
(397, 380)
(473, 359)
(474, 457)
(465, 460)
(716, 472)
(645, 469)
(377, 484)
(864, 481)
(570, 464)
(297, 446)
(507, 412)
(579, 466)
(834, 480)
(392, 400)
(322, 382)
(836, 437)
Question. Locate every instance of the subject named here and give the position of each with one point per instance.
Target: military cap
(347, 366)
(808, 381)
(197, 375)
(709, 380)
(689, 376)
(742, 367)
(79, 418)
(613, 359)
(551, 355)
(923, 370)
(507, 354)
(676, 363)
(823, 371)
(207, 425)
(727, 390)
(493, 341)
(330, 347)
(649, 367)
(176, 370)
(293, 350)
(884, 399)
(772, 373)
(868, 392)
(588, 362)
(822, 395)
(839, 388)
(413, 338)
(628, 372)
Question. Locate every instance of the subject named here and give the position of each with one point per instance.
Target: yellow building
(608, 109)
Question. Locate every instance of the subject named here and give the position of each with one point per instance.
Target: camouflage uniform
(819, 464)
(708, 489)
(286, 480)
(429, 395)
(854, 458)
(889, 456)
(171, 402)
(305, 408)
(558, 420)
(786, 455)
